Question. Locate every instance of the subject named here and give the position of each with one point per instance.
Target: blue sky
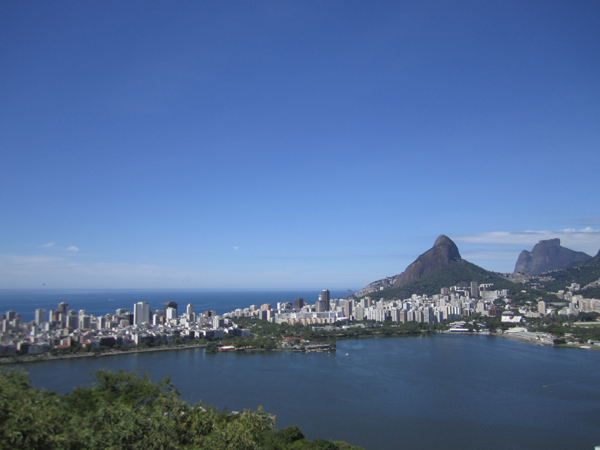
(294, 144)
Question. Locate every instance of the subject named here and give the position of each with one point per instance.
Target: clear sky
(288, 144)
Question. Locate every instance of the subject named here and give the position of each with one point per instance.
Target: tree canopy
(126, 411)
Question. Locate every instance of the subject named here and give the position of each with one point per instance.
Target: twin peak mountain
(443, 252)
(546, 255)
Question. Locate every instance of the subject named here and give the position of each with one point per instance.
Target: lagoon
(441, 391)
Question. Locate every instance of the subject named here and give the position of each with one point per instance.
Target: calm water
(451, 392)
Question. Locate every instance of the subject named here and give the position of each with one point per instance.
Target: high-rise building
(474, 289)
(40, 316)
(348, 308)
(190, 309)
(359, 313)
(428, 315)
(72, 321)
(158, 317)
(542, 307)
(84, 322)
(62, 307)
(325, 297)
(101, 323)
(299, 303)
(171, 313)
(141, 313)
(171, 305)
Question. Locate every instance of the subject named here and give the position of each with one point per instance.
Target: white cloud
(73, 249)
(49, 244)
(235, 248)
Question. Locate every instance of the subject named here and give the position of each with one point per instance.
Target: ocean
(99, 302)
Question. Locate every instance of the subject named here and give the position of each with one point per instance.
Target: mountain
(443, 252)
(442, 266)
(439, 256)
(548, 255)
(586, 274)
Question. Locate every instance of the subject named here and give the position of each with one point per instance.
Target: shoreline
(46, 357)
(529, 341)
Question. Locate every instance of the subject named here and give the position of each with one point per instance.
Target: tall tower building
(474, 289)
(141, 313)
(325, 297)
(40, 316)
(299, 303)
(347, 308)
(62, 307)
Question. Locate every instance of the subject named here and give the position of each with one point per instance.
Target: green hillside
(582, 274)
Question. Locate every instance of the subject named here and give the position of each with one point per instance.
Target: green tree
(128, 411)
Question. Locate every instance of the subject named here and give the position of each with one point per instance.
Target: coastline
(47, 357)
(522, 339)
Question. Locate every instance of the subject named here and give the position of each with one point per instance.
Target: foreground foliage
(125, 411)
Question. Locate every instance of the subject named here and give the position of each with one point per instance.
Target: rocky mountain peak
(439, 256)
(548, 255)
(444, 251)
(443, 240)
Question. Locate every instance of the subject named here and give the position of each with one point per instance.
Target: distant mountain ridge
(548, 255)
(582, 273)
(442, 266)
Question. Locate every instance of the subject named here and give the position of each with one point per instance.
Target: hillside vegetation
(124, 411)
(455, 273)
(582, 273)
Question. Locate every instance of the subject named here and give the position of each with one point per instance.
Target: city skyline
(291, 145)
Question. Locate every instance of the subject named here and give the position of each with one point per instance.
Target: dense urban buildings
(62, 328)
